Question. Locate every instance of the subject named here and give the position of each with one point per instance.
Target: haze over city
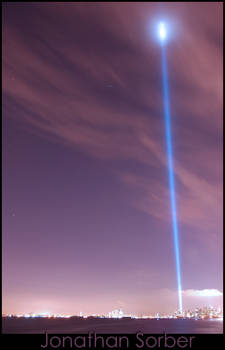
(86, 210)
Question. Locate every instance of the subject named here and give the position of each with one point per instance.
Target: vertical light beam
(170, 169)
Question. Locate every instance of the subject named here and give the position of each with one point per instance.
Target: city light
(206, 312)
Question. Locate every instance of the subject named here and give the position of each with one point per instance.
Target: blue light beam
(170, 170)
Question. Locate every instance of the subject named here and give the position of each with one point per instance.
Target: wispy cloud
(60, 85)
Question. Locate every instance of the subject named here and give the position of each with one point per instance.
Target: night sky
(86, 207)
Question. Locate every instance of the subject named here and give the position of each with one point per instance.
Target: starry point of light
(162, 32)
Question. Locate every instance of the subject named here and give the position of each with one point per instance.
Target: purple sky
(86, 210)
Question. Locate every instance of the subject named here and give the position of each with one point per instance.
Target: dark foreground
(79, 325)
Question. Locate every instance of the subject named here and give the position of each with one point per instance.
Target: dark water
(76, 325)
(159, 326)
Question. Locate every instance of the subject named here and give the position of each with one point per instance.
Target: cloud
(196, 198)
(202, 293)
(55, 81)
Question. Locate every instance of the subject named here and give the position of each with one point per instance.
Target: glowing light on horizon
(162, 35)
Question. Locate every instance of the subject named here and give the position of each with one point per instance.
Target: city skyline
(212, 312)
(86, 213)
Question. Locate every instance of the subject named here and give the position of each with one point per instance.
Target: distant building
(116, 313)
